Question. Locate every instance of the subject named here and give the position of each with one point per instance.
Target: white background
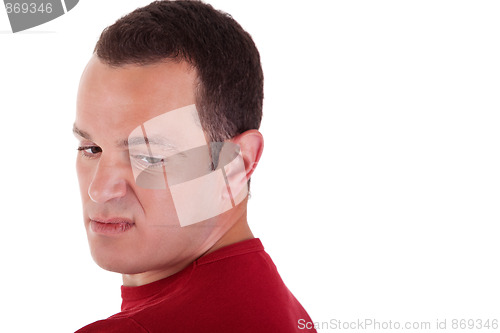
(377, 194)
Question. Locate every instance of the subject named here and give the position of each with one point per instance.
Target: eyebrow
(152, 140)
(81, 133)
(134, 141)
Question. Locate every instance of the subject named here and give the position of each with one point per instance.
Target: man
(167, 120)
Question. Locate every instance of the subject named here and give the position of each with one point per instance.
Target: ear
(251, 145)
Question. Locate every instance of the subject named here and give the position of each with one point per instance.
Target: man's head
(168, 84)
(229, 85)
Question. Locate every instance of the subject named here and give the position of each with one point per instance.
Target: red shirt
(234, 289)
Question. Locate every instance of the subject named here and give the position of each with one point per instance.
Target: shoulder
(114, 325)
(243, 293)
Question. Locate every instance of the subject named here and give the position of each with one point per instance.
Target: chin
(113, 261)
(118, 266)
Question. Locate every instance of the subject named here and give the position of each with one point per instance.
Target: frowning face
(145, 169)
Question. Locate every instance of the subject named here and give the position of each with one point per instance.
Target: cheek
(158, 207)
(84, 173)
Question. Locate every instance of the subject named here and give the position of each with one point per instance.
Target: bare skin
(238, 232)
(111, 103)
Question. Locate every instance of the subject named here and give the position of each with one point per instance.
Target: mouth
(111, 226)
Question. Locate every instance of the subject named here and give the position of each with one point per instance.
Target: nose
(108, 183)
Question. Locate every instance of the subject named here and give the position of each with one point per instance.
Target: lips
(112, 226)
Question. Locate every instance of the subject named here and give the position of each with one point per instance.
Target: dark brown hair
(229, 93)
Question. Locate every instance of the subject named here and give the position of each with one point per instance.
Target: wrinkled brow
(81, 133)
(133, 141)
(152, 140)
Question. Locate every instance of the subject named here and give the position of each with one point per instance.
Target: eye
(150, 161)
(90, 151)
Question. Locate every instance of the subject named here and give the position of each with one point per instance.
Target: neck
(238, 232)
(234, 229)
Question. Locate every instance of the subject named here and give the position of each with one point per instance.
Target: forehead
(121, 98)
